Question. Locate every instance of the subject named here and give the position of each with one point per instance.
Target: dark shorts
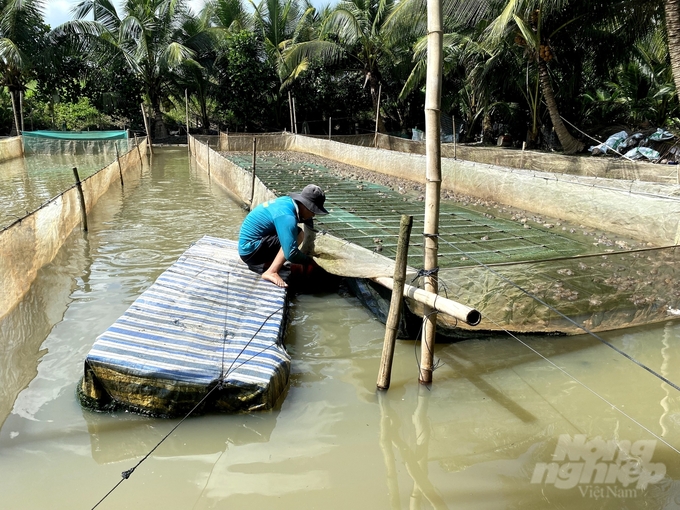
(264, 255)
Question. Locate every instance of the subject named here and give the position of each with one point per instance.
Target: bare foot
(274, 278)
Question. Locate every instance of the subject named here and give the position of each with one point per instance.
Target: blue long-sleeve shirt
(280, 217)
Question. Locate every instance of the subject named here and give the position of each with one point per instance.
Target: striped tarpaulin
(207, 320)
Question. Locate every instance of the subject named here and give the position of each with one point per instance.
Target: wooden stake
(14, 110)
(329, 128)
(207, 148)
(290, 111)
(21, 109)
(455, 142)
(294, 116)
(120, 169)
(252, 185)
(433, 179)
(377, 117)
(146, 126)
(139, 152)
(186, 101)
(396, 303)
(83, 209)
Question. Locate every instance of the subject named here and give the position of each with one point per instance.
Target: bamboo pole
(290, 111)
(441, 304)
(139, 152)
(14, 110)
(396, 302)
(455, 135)
(186, 102)
(329, 127)
(377, 117)
(21, 109)
(433, 179)
(81, 196)
(252, 184)
(294, 116)
(120, 169)
(146, 126)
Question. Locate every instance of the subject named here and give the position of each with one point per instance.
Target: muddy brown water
(501, 427)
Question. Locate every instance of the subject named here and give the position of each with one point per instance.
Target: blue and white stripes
(206, 318)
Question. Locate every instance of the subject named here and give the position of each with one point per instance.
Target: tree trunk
(159, 129)
(673, 30)
(570, 145)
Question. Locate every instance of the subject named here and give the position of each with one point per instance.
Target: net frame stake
(146, 125)
(295, 116)
(186, 101)
(81, 196)
(14, 110)
(433, 179)
(120, 168)
(252, 183)
(377, 118)
(396, 303)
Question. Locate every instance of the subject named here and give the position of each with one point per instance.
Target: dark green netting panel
(75, 142)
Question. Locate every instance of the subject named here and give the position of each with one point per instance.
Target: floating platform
(208, 327)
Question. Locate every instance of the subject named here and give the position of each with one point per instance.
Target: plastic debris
(612, 143)
(642, 153)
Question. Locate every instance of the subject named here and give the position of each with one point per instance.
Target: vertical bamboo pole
(329, 128)
(207, 149)
(14, 110)
(21, 109)
(377, 118)
(455, 142)
(81, 196)
(146, 126)
(432, 177)
(120, 169)
(396, 303)
(139, 152)
(294, 116)
(186, 102)
(252, 184)
(290, 111)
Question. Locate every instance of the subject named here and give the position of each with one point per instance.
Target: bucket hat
(312, 197)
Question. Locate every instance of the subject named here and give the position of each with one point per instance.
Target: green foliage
(78, 116)
(247, 83)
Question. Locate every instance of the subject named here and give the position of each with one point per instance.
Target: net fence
(521, 275)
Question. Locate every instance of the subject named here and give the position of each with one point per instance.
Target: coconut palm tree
(22, 40)
(148, 36)
(282, 25)
(360, 28)
(672, 11)
(528, 21)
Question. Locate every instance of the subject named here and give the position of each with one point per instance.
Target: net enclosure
(208, 331)
(523, 273)
(75, 142)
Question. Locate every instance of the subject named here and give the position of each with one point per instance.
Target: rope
(425, 272)
(126, 474)
(569, 319)
(613, 406)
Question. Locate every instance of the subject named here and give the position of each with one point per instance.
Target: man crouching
(270, 235)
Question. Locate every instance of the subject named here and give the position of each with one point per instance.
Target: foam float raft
(207, 325)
